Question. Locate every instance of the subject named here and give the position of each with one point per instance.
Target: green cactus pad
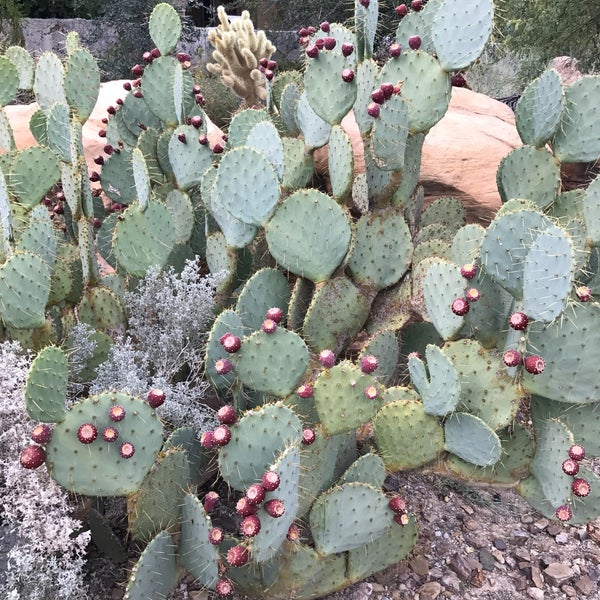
(337, 313)
(265, 138)
(156, 505)
(147, 144)
(300, 300)
(143, 239)
(466, 243)
(117, 178)
(228, 321)
(367, 73)
(425, 88)
(46, 385)
(441, 391)
(471, 439)
(101, 308)
(368, 468)
(390, 134)
(314, 129)
(384, 346)
(186, 439)
(189, 160)
(267, 288)
(531, 173)
(446, 211)
(242, 124)
(340, 398)
(182, 212)
(104, 537)
(196, 554)
(406, 436)
(417, 336)
(382, 249)
(432, 249)
(9, 76)
(155, 574)
(273, 363)
(539, 109)
(141, 177)
(341, 163)
(257, 440)
(388, 549)
(79, 68)
(412, 169)
(460, 32)
(418, 23)
(33, 172)
(247, 185)
(327, 93)
(442, 285)
(97, 469)
(392, 308)
(48, 84)
(365, 16)
(571, 351)
(24, 63)
(577, 138)
(553, 440)
(505, 245)
(591, 211)
(164, 27)
(39, 237)
(289, 105)
(548, 275)
(134, 115)
(24, 290)
(298, 166)
(486, 391)
(7, 139)
(309, 234)
(267, 543)
(348, 517)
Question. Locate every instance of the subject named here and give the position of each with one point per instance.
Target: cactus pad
(472, 439)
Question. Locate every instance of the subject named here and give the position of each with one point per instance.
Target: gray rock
(557, 574)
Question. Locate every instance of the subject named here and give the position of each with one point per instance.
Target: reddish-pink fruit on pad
(387, 89)
(215, 536)
(312, 51)
(226, 415)
(402, 519)
(325, 26)
(372, 393)
(327, 358)
(181, 137)
(511, 358)
(211, 499)
(32, 457)
(564, 513)
(196, 121)
(238, 556)
(269, 326)
(41, 433)
(87, 433)
(468, 271)
(156, 397)
(348, 75)
(206, 440)
(293, 534)
(203, 139)
(397, 504)
(110, 434)
(305, 391)
(127, 450)
(275, 314)
(369, 364)
(224, 588)
(395, 50)
(245, 508)
(373, 109)
(250, 526)
(584, 293)
(472, 295)
(570, 467)
(183, 57)
(534, 364)
(303, 32)
(460, 307)
(581, 487)
(223, 366)
(518, 321)
(269, 74)
(270, 481)
(329, 43)
(365, 3)
(137, 70)
(458, 80)
(320, 43)
(221, 435)
(155, 52)
(308, 436)
(275, 508)
(414, 354)
(264, 62)
(271, 65)
(416, 5)
(401, 10)
(414, 42)
(347, 48)
(255, 493)
(378, 96)
(231, 343)
(218, 148)
(577, 452)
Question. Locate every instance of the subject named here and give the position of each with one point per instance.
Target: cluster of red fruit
(398, 506)
(384, 92)
(580, 487)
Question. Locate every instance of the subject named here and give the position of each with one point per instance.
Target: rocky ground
(474, 544)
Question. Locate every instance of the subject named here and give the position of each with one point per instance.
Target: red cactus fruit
(581, 487)
(224, 587)
(416, 5)
(468, 271)
(401, 10)
(238, 556)
(402, 519)
(308, 436)
(347, 48)
(255, 493)
(320, 43)
(395, 50)
(369, 364)
(327, 358)
(199, 99)
(221, 435)
(41, 433)
(127, 450)
(244, 508)
(365, 3)
(387, 89)
(577, 452)
(472, 295)
(378, 96)
(372, 393)
(312, 51)
(218, 148)
(32, 457)
(324, 26)
(215, 536)
(206, 440)
(138, 94)
(275, 508)
(231, 343)
(137, 70)
(293, 534)
(518, 321)
(87, 433)
(110, 434)
(181, 137)
(156, 397)
(99, 160)
(196, 121)
(397, 504)
(584, 293)
(250, 526)
(373, 109)
(414, 42)
(226, 415)
(270, 481)
(155, 53)
(305, 391)
(211, 499)
(269, 74)
(203, 140)
(570, 467)
(460, 307)
(458, 80)
(269, 326)
(329, 43)
(275, 314)
(534, 364)
(223, 366)
(183, 57)
(94, 177)
(127, 86)
(564, 513)
(302, 32)
(348, 75)
(264, 62)
(511, 358)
